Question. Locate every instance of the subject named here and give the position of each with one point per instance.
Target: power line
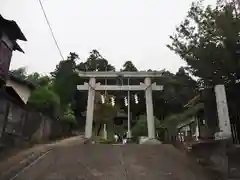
(50, 28)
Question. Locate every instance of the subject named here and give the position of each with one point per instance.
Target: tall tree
(140, 129)
(38, 79)
(95, 62)
(129, 66)
(208, 40)
(45, 101)
(65, 80)
(178, 89)
(104, 113)
(20, 72)
(35, 78)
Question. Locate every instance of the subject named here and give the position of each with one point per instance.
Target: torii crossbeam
(147, 86)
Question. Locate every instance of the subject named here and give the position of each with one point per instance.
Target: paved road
(112, 162)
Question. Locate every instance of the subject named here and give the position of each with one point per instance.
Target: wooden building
(9, 34)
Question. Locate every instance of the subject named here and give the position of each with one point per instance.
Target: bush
(103, 141)
(140, 128)
(45, 100)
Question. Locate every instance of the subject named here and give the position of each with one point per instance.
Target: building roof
(21, 81)
(188, 113)
(11, 29)
(17, 47)
(13, 95)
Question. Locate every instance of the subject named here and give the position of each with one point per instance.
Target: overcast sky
(121, 30)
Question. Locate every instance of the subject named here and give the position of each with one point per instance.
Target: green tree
(140, 128)
(34, 77)
(20, 72)
(44, 81)
(95, 62)
(135, 108)
(178, 89)
(38, 79)
(45, 100)
(69, 116)
(129, 66)
(208, 40)
(104, 113)
(65, 80)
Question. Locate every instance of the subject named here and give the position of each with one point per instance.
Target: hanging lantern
(112, 100)
(125, 101)
(136, 98)
(102, 99)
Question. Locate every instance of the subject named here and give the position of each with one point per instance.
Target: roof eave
(17, 48)
(27, 83)
(19, 35)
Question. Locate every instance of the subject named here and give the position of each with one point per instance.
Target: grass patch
(100, 140)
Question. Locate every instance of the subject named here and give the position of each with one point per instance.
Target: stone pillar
(90, 108)
(222, 110)
(129, 134)
(197, 129)
(105, 131)
(149, 108)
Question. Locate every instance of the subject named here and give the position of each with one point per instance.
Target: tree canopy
(140, 129)
(65, 80)
(57, 92)
(45, 100)
(95, 62)
(208, 41)
(129, 66)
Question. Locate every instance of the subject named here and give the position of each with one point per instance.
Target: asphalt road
(111, 162)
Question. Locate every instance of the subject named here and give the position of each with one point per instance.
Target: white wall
(23, 90)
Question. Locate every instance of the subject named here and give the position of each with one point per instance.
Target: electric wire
(51, 30)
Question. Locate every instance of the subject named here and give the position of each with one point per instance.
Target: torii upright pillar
(149, 108)
(90, 108)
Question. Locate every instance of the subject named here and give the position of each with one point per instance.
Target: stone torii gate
(147, 86)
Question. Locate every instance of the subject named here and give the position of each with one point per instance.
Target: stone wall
(3, 107)
(234, 162)
(43, 132)
(212, 154)
(221, 158)
(19, 124)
